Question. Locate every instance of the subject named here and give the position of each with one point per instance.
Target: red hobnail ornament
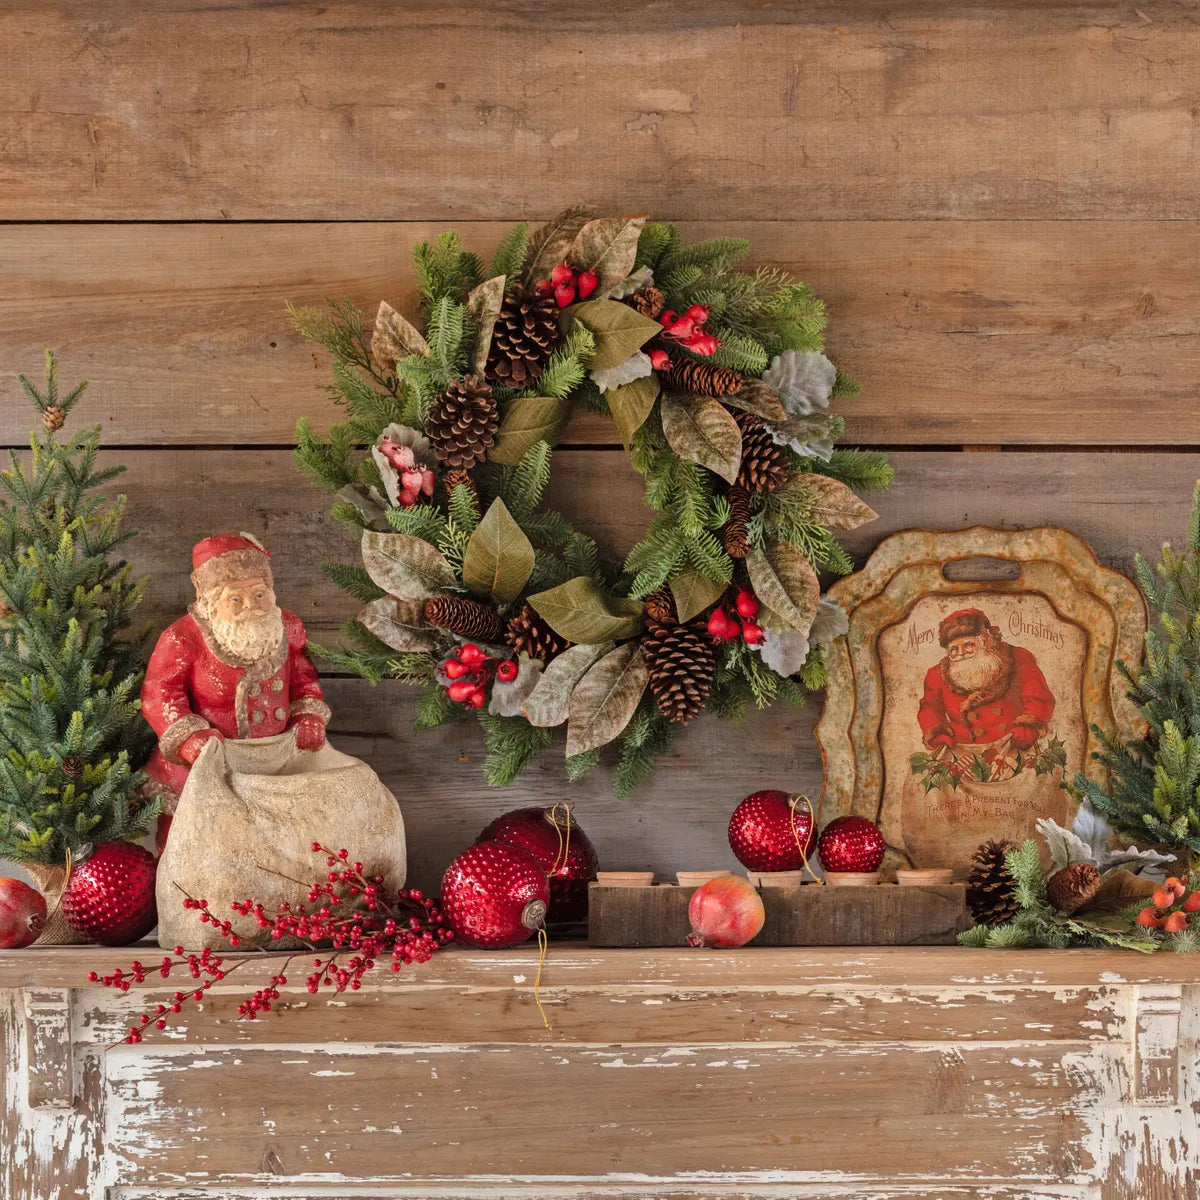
(772, 831)
(851, 844)
(495, 895)
(544, 832)
(22, 914)
(110, 895)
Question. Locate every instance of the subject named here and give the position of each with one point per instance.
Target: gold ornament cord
(796, 834)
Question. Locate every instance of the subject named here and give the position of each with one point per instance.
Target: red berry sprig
(1171, 907)
(353, 914)
(728, 622)
(688, 330)
(471, 671)
(567, 283)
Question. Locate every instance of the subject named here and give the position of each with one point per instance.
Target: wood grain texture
(361, 111)
(996, 332)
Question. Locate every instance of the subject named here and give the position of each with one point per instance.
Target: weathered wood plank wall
(997, 202)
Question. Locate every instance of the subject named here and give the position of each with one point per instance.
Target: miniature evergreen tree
(71, 736)
(1153, 791)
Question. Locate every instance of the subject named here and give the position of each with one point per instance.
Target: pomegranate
(725, 912)
(22, 914)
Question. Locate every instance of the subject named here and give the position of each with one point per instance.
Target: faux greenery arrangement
(472, 591)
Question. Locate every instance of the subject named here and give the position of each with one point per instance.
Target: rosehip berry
(462, 690)
(1192, 903)
(477, 699)
(561, 274)
(506, 672)
(660, 360)
(411, 479)
(587, 284)
(752, 634)
(472, 655)
(1163, 897)
(698, 313)
(720, 627)
(1176, 922)
(544, 287)
(454, 668)
(747, 605)
(1176, 885)
(1148, 918)
(564, 294)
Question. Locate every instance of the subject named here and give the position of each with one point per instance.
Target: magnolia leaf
(832, 503)
(547, 705)
(551, 244)
(395, 337)
(701, 429)
(630, 405)
(406, 566)
(528, 420)
(499, 557)
(398, 623)
(1118, 891)
(694, 592)
(620, 331)
(578, 611)
(605, 699)
(607, 246)
(757, 398)
(484, 304)
(786, 586)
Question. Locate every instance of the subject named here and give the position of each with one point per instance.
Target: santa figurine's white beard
(251, 637)
(977, 673)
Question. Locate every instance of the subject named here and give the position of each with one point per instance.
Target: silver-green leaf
(605, 699)
(578, 611)
(398, 624)
(701, 429)
(407, 567)
(786, 586)
(547, 705)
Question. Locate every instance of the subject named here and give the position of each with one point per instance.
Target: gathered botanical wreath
(494, 606)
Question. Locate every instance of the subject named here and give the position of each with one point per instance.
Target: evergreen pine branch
(512, 743)
(509, 259)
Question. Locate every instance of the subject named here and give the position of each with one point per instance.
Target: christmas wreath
(716, 381)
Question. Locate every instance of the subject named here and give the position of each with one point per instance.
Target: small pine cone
(649, 301)
(990, 888)
(734, 536)
(682, 666)
(54, 418)
(1071, 888)
(765, 466)
(700, 378)
(528, 633)
(72, 766)
(660, 606)
(462, 423)
(465, 617)
(460, 478)
(526, 333)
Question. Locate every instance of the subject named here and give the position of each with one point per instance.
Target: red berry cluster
(470, 673)
(734, 619)
(1171, 907)
(688, 330)
(569, 283)
(351, 913)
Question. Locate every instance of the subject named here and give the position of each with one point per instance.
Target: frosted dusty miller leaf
(508, 698)
(641, 278)
(1092, 829)
(1065, 847)
(830, 623)
(811, 436)
(636, 366)
(803, 380)
(1068, 847)
(785, 653)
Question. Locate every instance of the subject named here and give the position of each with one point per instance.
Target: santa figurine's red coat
(194, 685)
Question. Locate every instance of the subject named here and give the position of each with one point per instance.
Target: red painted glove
(941, 739)
(310, 733)
(1023, 736)
(190, 750)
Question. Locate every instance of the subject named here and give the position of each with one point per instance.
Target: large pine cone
(700, 378)
(462, 423)
(525, 335)
(528, 633)
(682, 665)
(990, 888)
(465, 617)
(735, 537)
(1071, 888)
(765, 467)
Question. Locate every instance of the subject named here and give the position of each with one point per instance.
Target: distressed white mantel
(878, 1074)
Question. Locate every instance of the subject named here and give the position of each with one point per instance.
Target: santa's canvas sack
(245, 827)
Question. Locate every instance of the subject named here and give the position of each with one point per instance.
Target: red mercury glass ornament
(773, 831)
(495, 895)
(110, 894)
(851, 844)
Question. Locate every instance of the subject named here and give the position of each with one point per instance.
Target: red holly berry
(564, 294)
(747, 605)
(507, 671)
(851, 844)
(563, 273)
(472, 655)
(454, 668)
(587, 284)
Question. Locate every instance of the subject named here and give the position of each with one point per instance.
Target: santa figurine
(236, 666)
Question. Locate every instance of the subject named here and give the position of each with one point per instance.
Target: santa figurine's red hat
(227, 557)
(967, 622)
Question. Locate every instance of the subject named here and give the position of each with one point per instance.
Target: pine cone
(682, 666)
(649, 301)
(528, 633)
(465, 617)
(463, 422)
(734, 536)
(54, 418)
(1071, 888)
(524, 336)
(72, 766)
(700, 378)
(765, 466)
(990, 888)
(460, 478)
(660, 606)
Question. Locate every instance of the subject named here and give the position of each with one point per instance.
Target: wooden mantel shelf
(932, 1073)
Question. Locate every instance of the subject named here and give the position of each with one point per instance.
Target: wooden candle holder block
(883, 915)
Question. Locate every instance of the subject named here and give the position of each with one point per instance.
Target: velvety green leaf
(405, 566)
(395, 337)
(608, 246)
(551, 244)
(499, 557)
(484, 304)
(694, 592)
(618, 329)
(786, 586)
(398, 624)
(701, 429)
(757, 398)
(1118, 890)
(580, 612)
(526, 421)
(832, 503)
(630, 405)
(605, 699)
(547, 704)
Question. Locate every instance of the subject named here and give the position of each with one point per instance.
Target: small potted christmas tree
(71, 734)
(1153, 789)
